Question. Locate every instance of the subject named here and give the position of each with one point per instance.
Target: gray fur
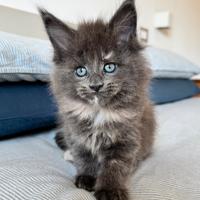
(110, 131)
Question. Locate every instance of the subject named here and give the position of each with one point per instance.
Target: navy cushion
(25, 107)
(169, 90)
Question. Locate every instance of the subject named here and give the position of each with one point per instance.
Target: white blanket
(33, 168)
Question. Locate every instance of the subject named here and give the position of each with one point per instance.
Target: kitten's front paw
(113, 194)
(85, 182)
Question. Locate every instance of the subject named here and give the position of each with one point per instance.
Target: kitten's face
(96, 69)
(99, 61)
(94, 75)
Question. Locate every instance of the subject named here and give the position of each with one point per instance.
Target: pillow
(28, 107)
(25, 107)
(28, 59)
(169, 90)
(166, 64)
(23, 58)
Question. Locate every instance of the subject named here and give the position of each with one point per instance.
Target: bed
(33, 167)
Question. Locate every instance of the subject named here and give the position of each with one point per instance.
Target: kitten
(100, 81)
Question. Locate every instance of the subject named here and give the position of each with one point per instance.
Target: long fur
(107, 132)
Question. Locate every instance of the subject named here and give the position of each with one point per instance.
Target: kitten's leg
(115, 172)
(60, 140)
(87, 167)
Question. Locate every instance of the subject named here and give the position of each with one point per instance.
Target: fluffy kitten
(100, 81)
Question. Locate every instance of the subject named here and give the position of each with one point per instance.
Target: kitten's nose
(96, 88)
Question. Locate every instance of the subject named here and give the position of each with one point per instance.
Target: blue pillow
(169, 90)
(25, 107)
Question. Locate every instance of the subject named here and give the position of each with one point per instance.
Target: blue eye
(81, 71)
(110, 68)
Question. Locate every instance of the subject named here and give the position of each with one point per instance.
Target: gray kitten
(100, 82)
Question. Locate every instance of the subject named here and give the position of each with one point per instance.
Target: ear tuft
(44, 14)
(60, 35)
(124, 21)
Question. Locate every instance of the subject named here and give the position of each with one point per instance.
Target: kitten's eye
(81, 71)
(110, 68)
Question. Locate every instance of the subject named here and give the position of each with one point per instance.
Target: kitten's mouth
(99, 98)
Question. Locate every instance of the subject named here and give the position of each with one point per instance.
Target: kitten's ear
(124, 21)
(60, 35)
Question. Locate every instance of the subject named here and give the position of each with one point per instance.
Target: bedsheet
(33, 168)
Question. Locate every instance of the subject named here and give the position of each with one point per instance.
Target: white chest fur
(97, 114)
(99, 117)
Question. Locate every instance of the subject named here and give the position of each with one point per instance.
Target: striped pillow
(166, 64)
(28, 59)
(23, 58)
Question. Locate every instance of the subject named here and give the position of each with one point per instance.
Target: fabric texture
(166, 64)
(165, 90)
(23, 58)
(25, 107)
(33, 167)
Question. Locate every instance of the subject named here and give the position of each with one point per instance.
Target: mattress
(33, 167)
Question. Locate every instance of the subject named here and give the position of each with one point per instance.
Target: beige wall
(21, 23)
(69, 10)
(184, 35)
